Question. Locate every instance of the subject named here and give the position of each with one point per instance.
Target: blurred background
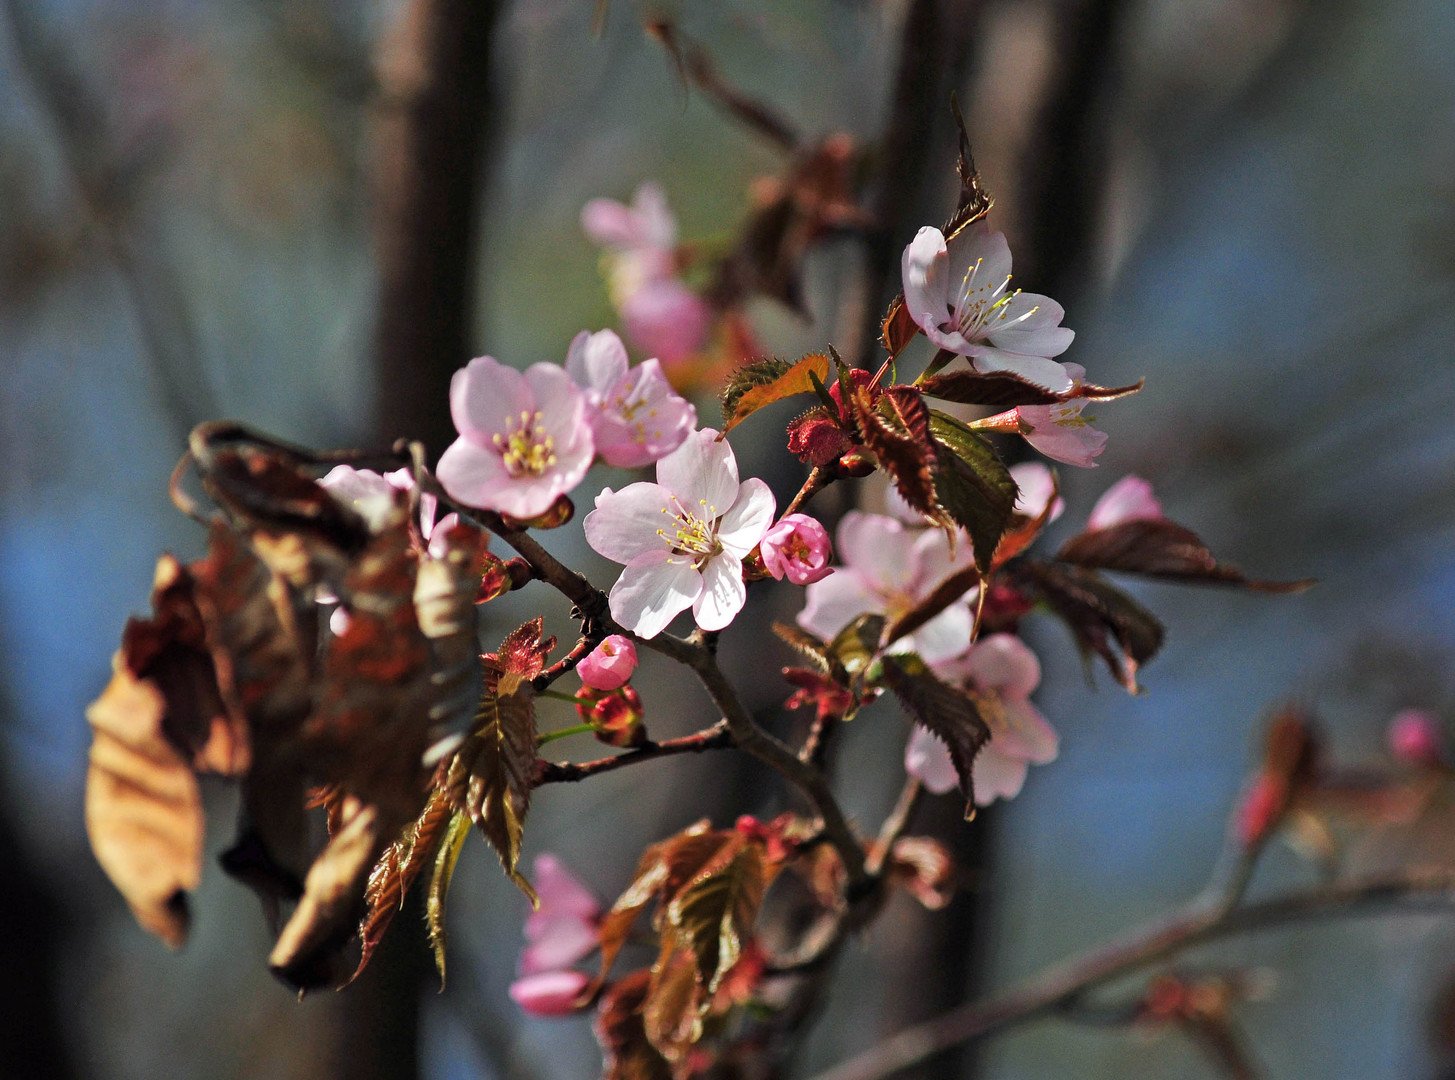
(306, 214)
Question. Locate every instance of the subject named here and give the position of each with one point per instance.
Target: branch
(717, 737)
(1063, 984)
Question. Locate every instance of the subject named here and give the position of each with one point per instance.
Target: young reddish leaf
(949, 713)
(439, 886)
(1004, 390)
(714, 914)
(923, 867)
(672, 1012)
(1156, 547)
(806, 645)
(972, 485)
(765, 381)
(1289, 767)
(522, 655)
(1103, 620)
(974, 201)
(895, 427)
(621, 1031)
(396, 871)
(1024, 530)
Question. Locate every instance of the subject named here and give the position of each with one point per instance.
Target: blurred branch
(1063, 984)
(429, 134)
(168, 341)
(564, 772)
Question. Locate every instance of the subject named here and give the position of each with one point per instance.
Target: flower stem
(552, 736)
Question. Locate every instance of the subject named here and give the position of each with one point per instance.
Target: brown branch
(1065, 983)
(818, 479)
(717, 737)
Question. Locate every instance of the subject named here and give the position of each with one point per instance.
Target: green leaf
(973, 485)
(949, 713)
(439, 886)
(765, 381)
(855, 646)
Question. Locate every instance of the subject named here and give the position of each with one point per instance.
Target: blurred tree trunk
(433, 119)
(432, 122)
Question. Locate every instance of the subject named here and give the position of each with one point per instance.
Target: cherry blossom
(524, 440)
(609, 665)
(1059, 430)
(683, 538)
(797, 547)
(959, 294)
(666, 319)
(551, 993)
(887, 569)
(1129, 499)
(1001, 672)
(1035, 487)
(636, 417)
(560, 932)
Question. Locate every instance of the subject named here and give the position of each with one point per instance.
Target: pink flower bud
(549, 993)
(797, 548)
(816, 438)
(1262, 808)
(1414, 737)
(615, 714)
(609, 665)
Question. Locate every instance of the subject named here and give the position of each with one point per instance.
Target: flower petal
(835, 602)
(655, 223)
(561, 893)
(641, 418)
(471, 473)
(996, 776)
(928, 759)
(723, 592)
(610, 223)
(625, 523)
(1030, 323)
(943, 638)
(662, 316)
(703, 473)
(596, 361)
(1005, 664)
(555, 942)
(743, 526)
(985, 245)
(652, 591)
(1035, 486)
(550, 993)
(1036, 740)
(1038, 370)
(925, 268)
(485, 396)
(876, 546)
(1129, 499)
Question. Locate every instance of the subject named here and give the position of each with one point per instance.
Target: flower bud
(615, 714)
(816, 438)
(1414, 737)
(797, 548)
(609, 665)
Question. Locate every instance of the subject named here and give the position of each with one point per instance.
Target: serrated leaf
(446, 857)
(806, 645)
(1158, 548)
(766, 381)
(898, 329)
(1103, 619)
(937, 600)
(396, 871)
(856, 645)
(973, 485)
(715, 914)
(1005, 390)
(895, 428)
(949, 713)
(672, 1011)
(622, 1033)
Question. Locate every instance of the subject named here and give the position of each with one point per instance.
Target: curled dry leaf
(922, 866)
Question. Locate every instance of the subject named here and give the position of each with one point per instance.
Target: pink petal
(610, 223)
(934, 559)
(641, 419)
(550, 993)
(607, 667)
(364, 491)
(485, 396)
(653, 590)
(556, 942)
(996, 776)
(928, 759)
(471, 473)
(596, 361)
(1415, 736)
(560, 891)
(1129, 499)
(665, 319)
(625, 523)
(925, 269)
(877, 547)
(1003, 662)
(1062, 433)
(656, 225)
(1036, 485)
(703, 473)
(1034, 739)
(835, 602)
(944, 637)
(723, 592)
(746, 521)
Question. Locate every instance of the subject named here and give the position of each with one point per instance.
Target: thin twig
(1199, 925)
(716, 737)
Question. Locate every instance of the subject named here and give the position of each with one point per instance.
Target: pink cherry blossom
(642, 237)
(609, 665)
(797, 548)
(562, 930)
(666, 319)
(683, 538)
(887, 569)
(636, 418)
(1035, 487)
(1415, 737)
(550, 993)
(959, 294)
(524, 440)
(1002, 672)
(369, 494)
(1129, 499)
(1059, 430)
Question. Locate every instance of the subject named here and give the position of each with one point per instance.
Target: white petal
(924, 266)
(877, 547)
(835, 602)
(943, 638)
(996, 776)
(624, 524)
(1031, 323)
(652, 591)
(979, 243)
(1004, 663)
(748, 519)
(1035, 485)
(927, 758)
(596, 361)
(703, 473)
(1036, 740)
(936, 561)
(658, 228)
(1038, 370)
(486, 396)
(723, 593)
